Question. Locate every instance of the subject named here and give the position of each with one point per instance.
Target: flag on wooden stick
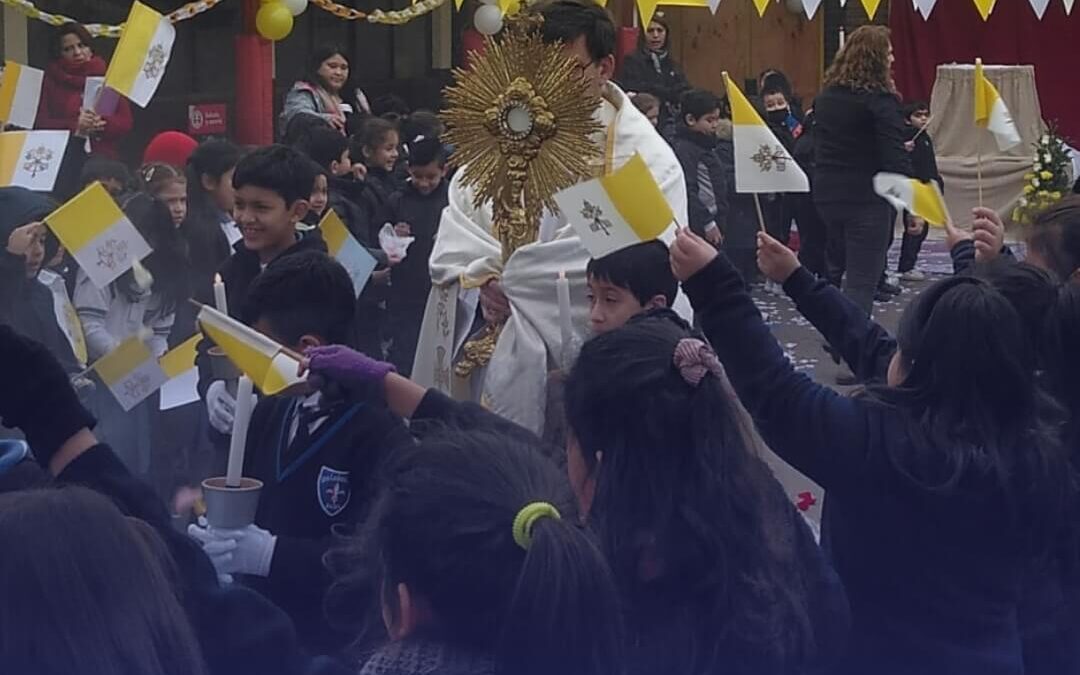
(138, 65)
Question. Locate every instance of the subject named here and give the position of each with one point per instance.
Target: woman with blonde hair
(859, 132)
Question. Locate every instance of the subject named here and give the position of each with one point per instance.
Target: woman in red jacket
(62, 94)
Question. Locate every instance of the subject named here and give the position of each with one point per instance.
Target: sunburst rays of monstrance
(522, 126)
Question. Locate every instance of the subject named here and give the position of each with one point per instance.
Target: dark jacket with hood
(25, 304)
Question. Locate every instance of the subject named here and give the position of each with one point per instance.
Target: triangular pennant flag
(925, 7)
(715, 5)
(20, 94)
(1068, 7)
(1040, 7)
(762, 164)
(985, 7)
(138, 64)
(347, 250)
(871, 7)
(457, 4)
(646, 8)
(761, 5)
(621, 209)
(921, 199)
(811, 8)
(271, 367)
(98, 235)
(991, 113)
(130, 372)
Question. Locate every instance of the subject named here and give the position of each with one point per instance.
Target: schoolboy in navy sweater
(415, 211)
(317, 455)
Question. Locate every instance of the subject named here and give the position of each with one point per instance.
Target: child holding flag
(924, 167)
(695, 146)
(317, 455)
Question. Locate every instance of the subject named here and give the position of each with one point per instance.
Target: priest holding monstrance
(537, 113)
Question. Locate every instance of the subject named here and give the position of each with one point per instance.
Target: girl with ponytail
(475, 553)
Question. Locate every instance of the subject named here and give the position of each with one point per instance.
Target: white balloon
(488, 19)
(489, 2)
(296, 7)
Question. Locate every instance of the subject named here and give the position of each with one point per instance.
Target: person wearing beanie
(25, 304)
(169, 147)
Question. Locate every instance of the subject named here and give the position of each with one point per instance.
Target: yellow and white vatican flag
(98, 234)
(623, 208)
(991, 113)
(762, 163)
(921, 199)
(138, 64)
(347, 250)
(269, 365)
(20, 93)
(31, 159)
(179, 366)
(130, 372)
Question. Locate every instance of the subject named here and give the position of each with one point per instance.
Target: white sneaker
(913, 275)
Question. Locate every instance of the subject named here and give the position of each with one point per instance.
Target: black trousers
(910, 246)
(857, 246)
(812, 233)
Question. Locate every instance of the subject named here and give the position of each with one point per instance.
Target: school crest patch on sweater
(334, 490)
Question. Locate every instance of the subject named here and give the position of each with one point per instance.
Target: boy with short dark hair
(629, 282)
(924, 167)
(415, 211)
(317, 455)
(695, 146)
(273, 185)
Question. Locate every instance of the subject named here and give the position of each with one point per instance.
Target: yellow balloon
(274, 21)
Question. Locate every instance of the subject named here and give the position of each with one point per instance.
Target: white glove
(248, 550)
(221, 405)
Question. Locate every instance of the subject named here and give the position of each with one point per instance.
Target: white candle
(843, 37)
(220, 301)
(244, 390)
(562, 288)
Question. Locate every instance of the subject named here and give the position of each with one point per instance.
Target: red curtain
(955, 33)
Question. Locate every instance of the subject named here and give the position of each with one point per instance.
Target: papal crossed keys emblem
(136, 386)
(37, 160)
(595, 214)
(768, 157)
(155, 62)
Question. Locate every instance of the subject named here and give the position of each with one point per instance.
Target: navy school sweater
(934, 580)
(411, 278)
(309, 488)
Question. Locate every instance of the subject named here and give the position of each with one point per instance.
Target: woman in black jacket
(652, 70)
(859, 132)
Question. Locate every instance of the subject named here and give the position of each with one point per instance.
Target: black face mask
(777, 116)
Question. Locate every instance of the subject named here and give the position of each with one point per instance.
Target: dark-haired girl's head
(1054, 239)
(377, 143)
(329, 68)
(965, 368)
(86, 591)
(167, 184)
(665, 462)
(210, 169)
(474, 541)
(169, 260)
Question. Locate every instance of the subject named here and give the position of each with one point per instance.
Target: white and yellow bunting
(98, 234)
(623, 208)
(130, 372)
(347, 250)
(871, 7)
(762, 163)
(991, 113)
(921, 199)
(139, 62)
(269, 366)
(179, 366)
(925, 7)
(31, 159)
(20, 94)
(811, 8)
(985, 7)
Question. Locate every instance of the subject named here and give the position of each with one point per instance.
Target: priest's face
(595, 73)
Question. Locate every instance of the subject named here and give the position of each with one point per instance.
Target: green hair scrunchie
(527, 517)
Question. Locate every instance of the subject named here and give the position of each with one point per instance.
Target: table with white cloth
(959, 142)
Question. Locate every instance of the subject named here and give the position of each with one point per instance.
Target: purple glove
(347, 367)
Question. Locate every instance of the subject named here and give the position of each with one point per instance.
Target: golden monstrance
(521, 121)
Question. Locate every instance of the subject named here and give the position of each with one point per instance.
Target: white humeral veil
(466, 255)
